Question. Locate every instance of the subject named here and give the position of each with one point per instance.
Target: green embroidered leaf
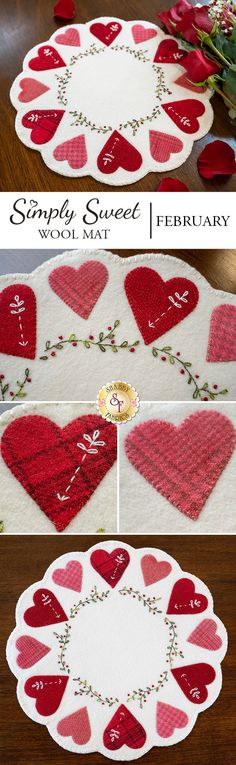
(189, 381)
(47, 345)
(205, 386)
(59, 346)
(154, 352)
(188, 364)
(167, 348)
(102, 348)
(21, 394)
(1, 527)
(124, 344)
(43, 358)
(171, 360)
(101, 335)
(211, 395)
(71, 339)
(136, 342)
(5, 388)
(27, 372)
(223, 392)
(114, 349)
(87, 344)
(196, 393)
(116, 324)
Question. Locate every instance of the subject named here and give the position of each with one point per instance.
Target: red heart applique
(193, 680)
(74, 151)
(154, 570)
(124, 729)
(42, 123)
(168, 52)
(31, 89)
(184, 114)
(157, 305)
(30, 651)
(222, 335)
(185, 600)
(47, 690)
(163, 145)
(46, 610)
(106, 33)
(183, 82)
(205, 635)
(80, 287)
(196, 452)
(168, 718)
(77, 726)
(18, 321)
(70, 576)
(47, 58)
(69, 37)
(58, 467)
(118, 152)
(141, 33)
(64, 9)
(110, 566)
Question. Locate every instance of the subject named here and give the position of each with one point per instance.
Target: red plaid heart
(42, 123)
(141, 33)
(69, 37)
(124, 728)
(162, 145)
(30, 651)
(110, 566)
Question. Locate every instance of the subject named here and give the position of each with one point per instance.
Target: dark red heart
(118, 152)
(110, 566)
(48, 690)
(184, 114)
(64, 9)
(18, 321)
(185, 600)
(124, 729)
(168, 52)
(44, 458)
(46, 609)
(193, 680)
(47, 58)
(106, 33)
(42, 123)
(157, 305)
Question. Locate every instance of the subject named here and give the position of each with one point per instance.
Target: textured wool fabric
(48, 482)
(222, 335)
(178, 464)
(18, 321)
(100, 689)
(75, 357)
(109, 99)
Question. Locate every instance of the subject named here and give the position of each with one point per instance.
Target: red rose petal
(171, 184)
(64, 9)
(218, 158)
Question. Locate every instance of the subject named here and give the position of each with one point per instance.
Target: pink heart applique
(185, 600)
(74, 151)
(154, 570)
(43, 124)
(70, 576)
(69, 37)
(118, 152)
(18, 321)
(106, 33)
(168, 52)
(184, 114)
(141, 33)
(193, 680)
(80, 287)
(47, 58)
(30, 651)
(31, 89)
(205, 635)
(168, 718)
(196, 453)
(183, 82)
(222, 334)
(162, 145)
(77, 726)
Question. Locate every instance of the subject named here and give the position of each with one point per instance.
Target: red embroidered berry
(163, 358)
(74, 344)
(109, 328)
(2, 377)
(11, 393)
(60, 337)
(132, 350)
(215, 387)
(178, 353)
(205, 398)
(113, 342)
(29, 379)
(197, 377)
(182, 372)
(91, 337)
(53, 353)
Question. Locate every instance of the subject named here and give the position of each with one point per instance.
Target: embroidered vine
(104, 340)
(203, 392)
(172, 648)
(20, 392)
(93, 597)
(87, 690)
(63, 644)
(141, 694)
(1, 527)
(93, 448)
(149, 603)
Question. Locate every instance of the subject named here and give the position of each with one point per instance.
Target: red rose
(192, 21)
(174, 14)
(199, 67)
(171, 184)
(217, 158)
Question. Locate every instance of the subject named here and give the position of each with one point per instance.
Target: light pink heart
(81, 287)
(205, 635)
(77, 726)
(162, 145)
(168, 718)
(74, 151)
(222, 334)
(30, 651)
(141, 34)
(69, 37)
(31, 89)
(154, 570)
(70, 576)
